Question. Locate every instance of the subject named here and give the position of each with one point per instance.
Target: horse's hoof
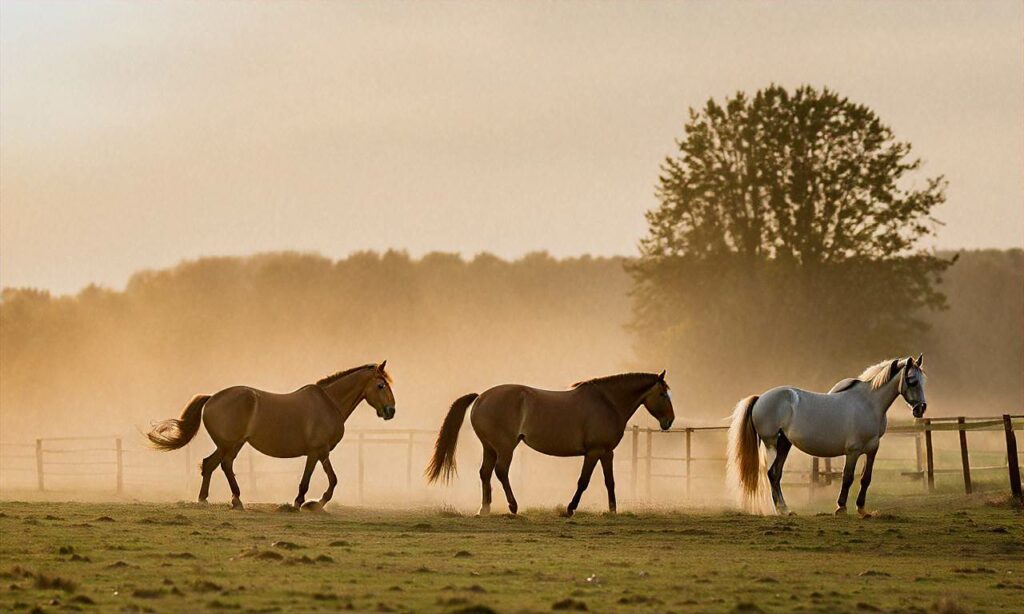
(313, 506)
(568, 513)
(202, 502)
(840, 511)
(483, 512)
(863, 513)
(236, 504)
(790, 513)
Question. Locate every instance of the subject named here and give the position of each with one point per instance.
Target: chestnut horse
(308, 422)
(586, 421)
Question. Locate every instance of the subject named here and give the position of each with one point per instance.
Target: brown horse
(308, 422)
(586, 421)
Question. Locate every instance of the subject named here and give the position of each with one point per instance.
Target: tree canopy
(806, 176)
(787, 219)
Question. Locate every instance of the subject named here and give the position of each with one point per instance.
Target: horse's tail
(744, 455)
(442, 463)
(177, 432)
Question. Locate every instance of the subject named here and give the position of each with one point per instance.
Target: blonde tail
(745, 463)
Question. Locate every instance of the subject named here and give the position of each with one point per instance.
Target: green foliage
(786, 242)
(808, 177)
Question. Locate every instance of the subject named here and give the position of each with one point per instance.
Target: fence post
(814, 477)
(1012, 462)
(929, 457)
(408, 464)
(252, 473)
(828, 471)
(634, 453)
(689, 458)
(359, 442)
(963, 455)
(39, 464)
(919, 459)
(648, 466)
(120, 465)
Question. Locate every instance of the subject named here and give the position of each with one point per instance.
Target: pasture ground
(919, 554)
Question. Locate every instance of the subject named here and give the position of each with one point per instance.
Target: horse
(588, 420)
(307, 422)
(849, 420)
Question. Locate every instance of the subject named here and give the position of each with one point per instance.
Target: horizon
(122, 286)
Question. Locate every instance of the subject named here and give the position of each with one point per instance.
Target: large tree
(793, 220)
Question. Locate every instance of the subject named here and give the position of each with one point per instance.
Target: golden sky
(133, 135)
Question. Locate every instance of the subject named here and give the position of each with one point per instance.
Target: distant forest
(106, 361)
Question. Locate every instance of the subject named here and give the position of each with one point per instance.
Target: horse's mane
(878, 374)
(618, 377)
(330, 379)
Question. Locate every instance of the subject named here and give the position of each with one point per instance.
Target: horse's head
(658, 402)
(912, 381)
(378, 393)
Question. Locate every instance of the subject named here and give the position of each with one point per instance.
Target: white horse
(849, 420)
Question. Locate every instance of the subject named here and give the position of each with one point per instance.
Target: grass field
(920, 554)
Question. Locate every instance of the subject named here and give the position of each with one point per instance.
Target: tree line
(103, 359)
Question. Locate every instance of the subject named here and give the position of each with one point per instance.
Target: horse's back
(278, 424)
(554, 422)
(820, 424)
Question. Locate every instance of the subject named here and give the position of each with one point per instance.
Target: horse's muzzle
(666, 423)
(388, 412)
(919, 409)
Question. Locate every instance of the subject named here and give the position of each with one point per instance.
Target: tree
(787, 219)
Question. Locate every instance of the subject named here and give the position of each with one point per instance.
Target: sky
(136, 135)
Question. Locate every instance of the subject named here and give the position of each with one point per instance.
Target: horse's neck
(347, 392)
(883, 398)
(625, 397)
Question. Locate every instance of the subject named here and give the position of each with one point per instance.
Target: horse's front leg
(311, 461)
(865, 481)
(589, 462)
(609, 478)
(332, 481)
(844, 491)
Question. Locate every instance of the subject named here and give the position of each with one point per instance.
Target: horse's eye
(381, 386)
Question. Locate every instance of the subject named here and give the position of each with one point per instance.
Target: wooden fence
(108, 458)
(921, 430)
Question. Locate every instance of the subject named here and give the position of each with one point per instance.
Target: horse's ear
(380, 367)
(894, 368)
(661, 376)
(920, 360)
(910, 361)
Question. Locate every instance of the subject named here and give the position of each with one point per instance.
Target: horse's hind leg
(782, 448)
(209, 464)
(486, 469)
(501, 470)
(227, 465)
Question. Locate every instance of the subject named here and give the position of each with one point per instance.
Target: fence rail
(98, 453)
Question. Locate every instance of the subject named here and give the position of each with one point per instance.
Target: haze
(136, 135)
